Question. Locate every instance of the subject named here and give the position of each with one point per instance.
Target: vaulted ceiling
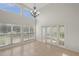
(30, 5)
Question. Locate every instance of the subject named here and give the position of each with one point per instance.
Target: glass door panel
(51, 34)
(48, 34)
(25, 31)
(31, 33)
(16, 34)
(5, 31)
(25, 36)
(54, 33)
(43, 34)
(16, 38)
(4, 40)
(61, 34)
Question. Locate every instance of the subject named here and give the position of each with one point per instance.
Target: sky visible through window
(14, 9)
(26, 12)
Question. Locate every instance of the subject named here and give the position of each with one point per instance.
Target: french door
(53, 34)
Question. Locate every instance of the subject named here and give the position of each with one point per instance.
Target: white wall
(66, 14)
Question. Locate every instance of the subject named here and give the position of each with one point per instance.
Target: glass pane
(27, 13)
(5, 29)
(54, 32)
(43, 33)
(16, 38)
(61, 34)
(16, 29)
(10, 8)
(25, 36)
(25, 30)
(16, 35)
(31, 30)
(31, 34)
(4, 36)
(48, 33)
(4, 40)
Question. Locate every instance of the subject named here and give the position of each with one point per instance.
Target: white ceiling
(30, 5)
(38, 5)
